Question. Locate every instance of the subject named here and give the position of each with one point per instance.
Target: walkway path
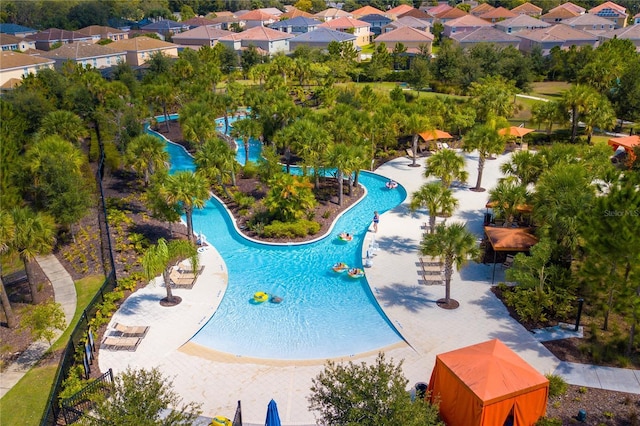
(65, 294)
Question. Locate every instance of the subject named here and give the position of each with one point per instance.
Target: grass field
(25, 403)
(551, 90)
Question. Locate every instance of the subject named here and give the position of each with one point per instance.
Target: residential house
(331, 14)
(101, 32)
(44, 40)
(528, 9)
(464, 24)
(613, 12)
(16, 30)
(520, 23)
(558, 15)
(570, 6)
(376, 22)
(199, 21)
(258, 18)
(416, 41)
(418, 14)
(272, 11)
(436, 10)
(270, 41)
(15, 65)
(166, 28)
(591, 23)
(559, 35)
(481, 9)
(358, 28)
(141, 49)
(200, 36)
(293, 12)
(11, 42)
(631, 33)
(86, 54)
(490, 35)
(407, 21)
(320, 39)
(297, 25)
(399, 10)
(229, 22)
(450, 15)
(498, 14)
(366, 10)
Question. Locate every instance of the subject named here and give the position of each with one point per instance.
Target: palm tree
(145, 154)
(578, 100)
(447, 165)
(162, 95)
(65, 124)
(246, 129)
(487, 141)
(525, 166)
(602, 116)
(217, 162)
(191, 191)
(7, 234)
(338, 157)
(159, 258)
(290, 197)
(455, 245)
(198, 127)
(414, 125)
(547, 113)
(34, 235)
(437, 199)
(508, 196)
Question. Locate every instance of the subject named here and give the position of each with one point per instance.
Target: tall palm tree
(198, 127)
(145, 154)
(7, 234)
(34, 235)
(159, 258)
(455, 245)
(339, 157)
(191, 191)
(414, 125)
(547, 113)
(602, 116)
(246, 129)
(65, 124)
(487, 141)
(508, 196)
(447, 165)
(437, 199)
(578, 100)
(217, 162)
(526, 166)
(162, 94)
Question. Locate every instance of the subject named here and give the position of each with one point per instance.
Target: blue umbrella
(273, 419)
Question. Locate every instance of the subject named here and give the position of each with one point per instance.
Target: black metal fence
(80, 347)
(78, 405)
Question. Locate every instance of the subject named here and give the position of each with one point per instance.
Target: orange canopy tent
(515, 131)
(434, 134)
(626, 142)
(487, 384)
(510, 239)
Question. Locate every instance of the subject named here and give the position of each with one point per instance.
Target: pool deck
(219, 380)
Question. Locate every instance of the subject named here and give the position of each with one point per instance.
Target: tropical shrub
(300, 228)
(557, 385)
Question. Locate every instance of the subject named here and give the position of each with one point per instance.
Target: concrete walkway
(65, 294)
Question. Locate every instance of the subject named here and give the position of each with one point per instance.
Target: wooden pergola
(509, 240)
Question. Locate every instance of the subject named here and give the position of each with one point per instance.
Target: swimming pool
(323, 314)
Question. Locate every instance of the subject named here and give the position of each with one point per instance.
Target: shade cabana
(517, 132)
(626, 142)
(487, 384)
(509, 240)
(435, 134)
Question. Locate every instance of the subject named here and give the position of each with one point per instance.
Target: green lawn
(25, 403)
(549, 89)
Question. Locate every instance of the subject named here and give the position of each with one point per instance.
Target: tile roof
(523, 21)
(139, 44)
(405, 34)
(609, 5)
(631, 32)
(294, 13)
(82, 50)
(203, 32)
(165, 24)
(452, 13)
(332, 12)
(442, 7)
(559, 14)
(6, 39)
(399, 10)
(527, 8)
(10, 60)
(259, 15)
(299, 21)
(323, 35)
(417, 13)
(498, 13)
(199, 21)
(56, 34)
(258, 33)
(587, 19)
(485, 35)
(345, 22)
(481, 8)
(468, 21)
(367, 10)
(409, 21)
(271, 11)
(15, 28)
(570, 6)
(100, 30)
(213, 15)
(375, 18)
(559, 32)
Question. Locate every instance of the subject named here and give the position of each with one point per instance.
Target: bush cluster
(300, 228)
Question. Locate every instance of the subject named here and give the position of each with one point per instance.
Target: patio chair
(508, 262)
(121, 343)
(130, 331)
(410, 153)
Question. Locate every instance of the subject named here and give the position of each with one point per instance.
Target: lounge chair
(130, 331)
(121, 343)
(508, 262)
(183, 279)
(410, 154)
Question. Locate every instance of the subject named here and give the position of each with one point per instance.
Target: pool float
(221, 421)
(276, 299)
(345, 236)
(391, 184)
(260, 297)
(356, 273)
(340, 267)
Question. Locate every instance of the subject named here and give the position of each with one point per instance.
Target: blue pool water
(323, 314)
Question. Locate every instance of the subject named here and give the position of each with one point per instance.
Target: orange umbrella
(434, 134)
(515, 131)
